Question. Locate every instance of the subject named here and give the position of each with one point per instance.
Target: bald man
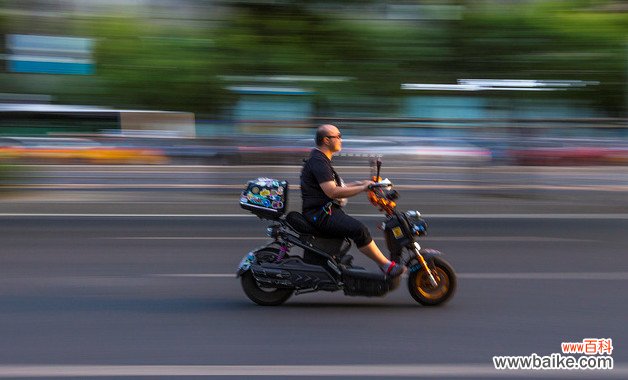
(322, 190)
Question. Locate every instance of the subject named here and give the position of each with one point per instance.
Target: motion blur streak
(505, 122)
(232, 82)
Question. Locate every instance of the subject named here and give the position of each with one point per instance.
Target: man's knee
(362, 236)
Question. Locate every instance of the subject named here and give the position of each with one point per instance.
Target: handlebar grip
(380, 184)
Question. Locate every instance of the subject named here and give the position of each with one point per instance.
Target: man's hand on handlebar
(370, 185)
(384, 183)
(365, 184)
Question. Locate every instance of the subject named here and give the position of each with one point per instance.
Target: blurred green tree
(173, 65)
(291, 39)
(146, 65)
(550, 40)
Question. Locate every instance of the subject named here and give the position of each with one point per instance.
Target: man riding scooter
(323, 193)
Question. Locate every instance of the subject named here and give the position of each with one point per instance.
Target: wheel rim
(425, 288)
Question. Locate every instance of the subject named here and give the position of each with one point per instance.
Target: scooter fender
(245, 263)
(428, 254)
(251, 258)
(248, 260)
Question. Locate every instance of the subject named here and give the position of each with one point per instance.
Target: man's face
(334, 140)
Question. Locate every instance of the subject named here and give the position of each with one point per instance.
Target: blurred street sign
(49, 54)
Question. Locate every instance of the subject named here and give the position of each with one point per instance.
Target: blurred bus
(50, 119)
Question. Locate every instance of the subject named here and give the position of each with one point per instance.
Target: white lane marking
(603, 276)
(427, 239)
(547, 276)
(369, 370)
(427, 216)
(79, 186)
(86, 186)
(502, 239)
(195, 275)
(514, 216)
(111, 280)
(183, 238)
(75, 215)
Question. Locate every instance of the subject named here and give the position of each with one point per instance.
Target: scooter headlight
(419, 226)
(413, 214)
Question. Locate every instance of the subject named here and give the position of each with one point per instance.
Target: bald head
(325, 130)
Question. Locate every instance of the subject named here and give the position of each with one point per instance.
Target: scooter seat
(332, 245)
(297, 221)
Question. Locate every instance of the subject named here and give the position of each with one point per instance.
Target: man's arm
(334, 191)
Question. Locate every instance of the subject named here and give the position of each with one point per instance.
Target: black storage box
(265, 197)
(360, 282)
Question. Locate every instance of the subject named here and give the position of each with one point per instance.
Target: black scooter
(271, 274)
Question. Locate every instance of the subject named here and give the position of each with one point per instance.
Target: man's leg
(341, 224)
(372, 251)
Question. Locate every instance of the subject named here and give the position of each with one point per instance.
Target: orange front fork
(417, 251)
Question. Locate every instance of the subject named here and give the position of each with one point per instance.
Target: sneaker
(395, 270)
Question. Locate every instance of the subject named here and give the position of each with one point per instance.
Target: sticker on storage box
(265, 192)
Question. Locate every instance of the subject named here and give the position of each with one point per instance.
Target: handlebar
(380, 184)
(376, 186)
(382, 196)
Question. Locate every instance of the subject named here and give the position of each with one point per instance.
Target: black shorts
(338, 224)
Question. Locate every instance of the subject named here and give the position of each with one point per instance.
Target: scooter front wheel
(263, 296)
(422, 290)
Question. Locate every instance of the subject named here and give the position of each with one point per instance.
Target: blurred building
(42, 56)
(182, 9)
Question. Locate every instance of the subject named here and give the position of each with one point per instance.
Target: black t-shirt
(316, 170)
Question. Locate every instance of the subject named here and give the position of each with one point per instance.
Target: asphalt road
(215, 189)
(125, 296)
(424, 177)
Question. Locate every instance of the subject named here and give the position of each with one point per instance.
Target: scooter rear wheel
(422, 290)
(263, 296)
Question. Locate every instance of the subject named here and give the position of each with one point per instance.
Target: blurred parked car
(270, 150)
(358, 150)
(414, 151)
(178, 150)
(570, 152)
(74, 150)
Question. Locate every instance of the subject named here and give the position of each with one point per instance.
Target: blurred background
(457, 83)
(128, 129)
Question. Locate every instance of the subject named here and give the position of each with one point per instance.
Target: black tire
(422, 290)
(263, 296)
